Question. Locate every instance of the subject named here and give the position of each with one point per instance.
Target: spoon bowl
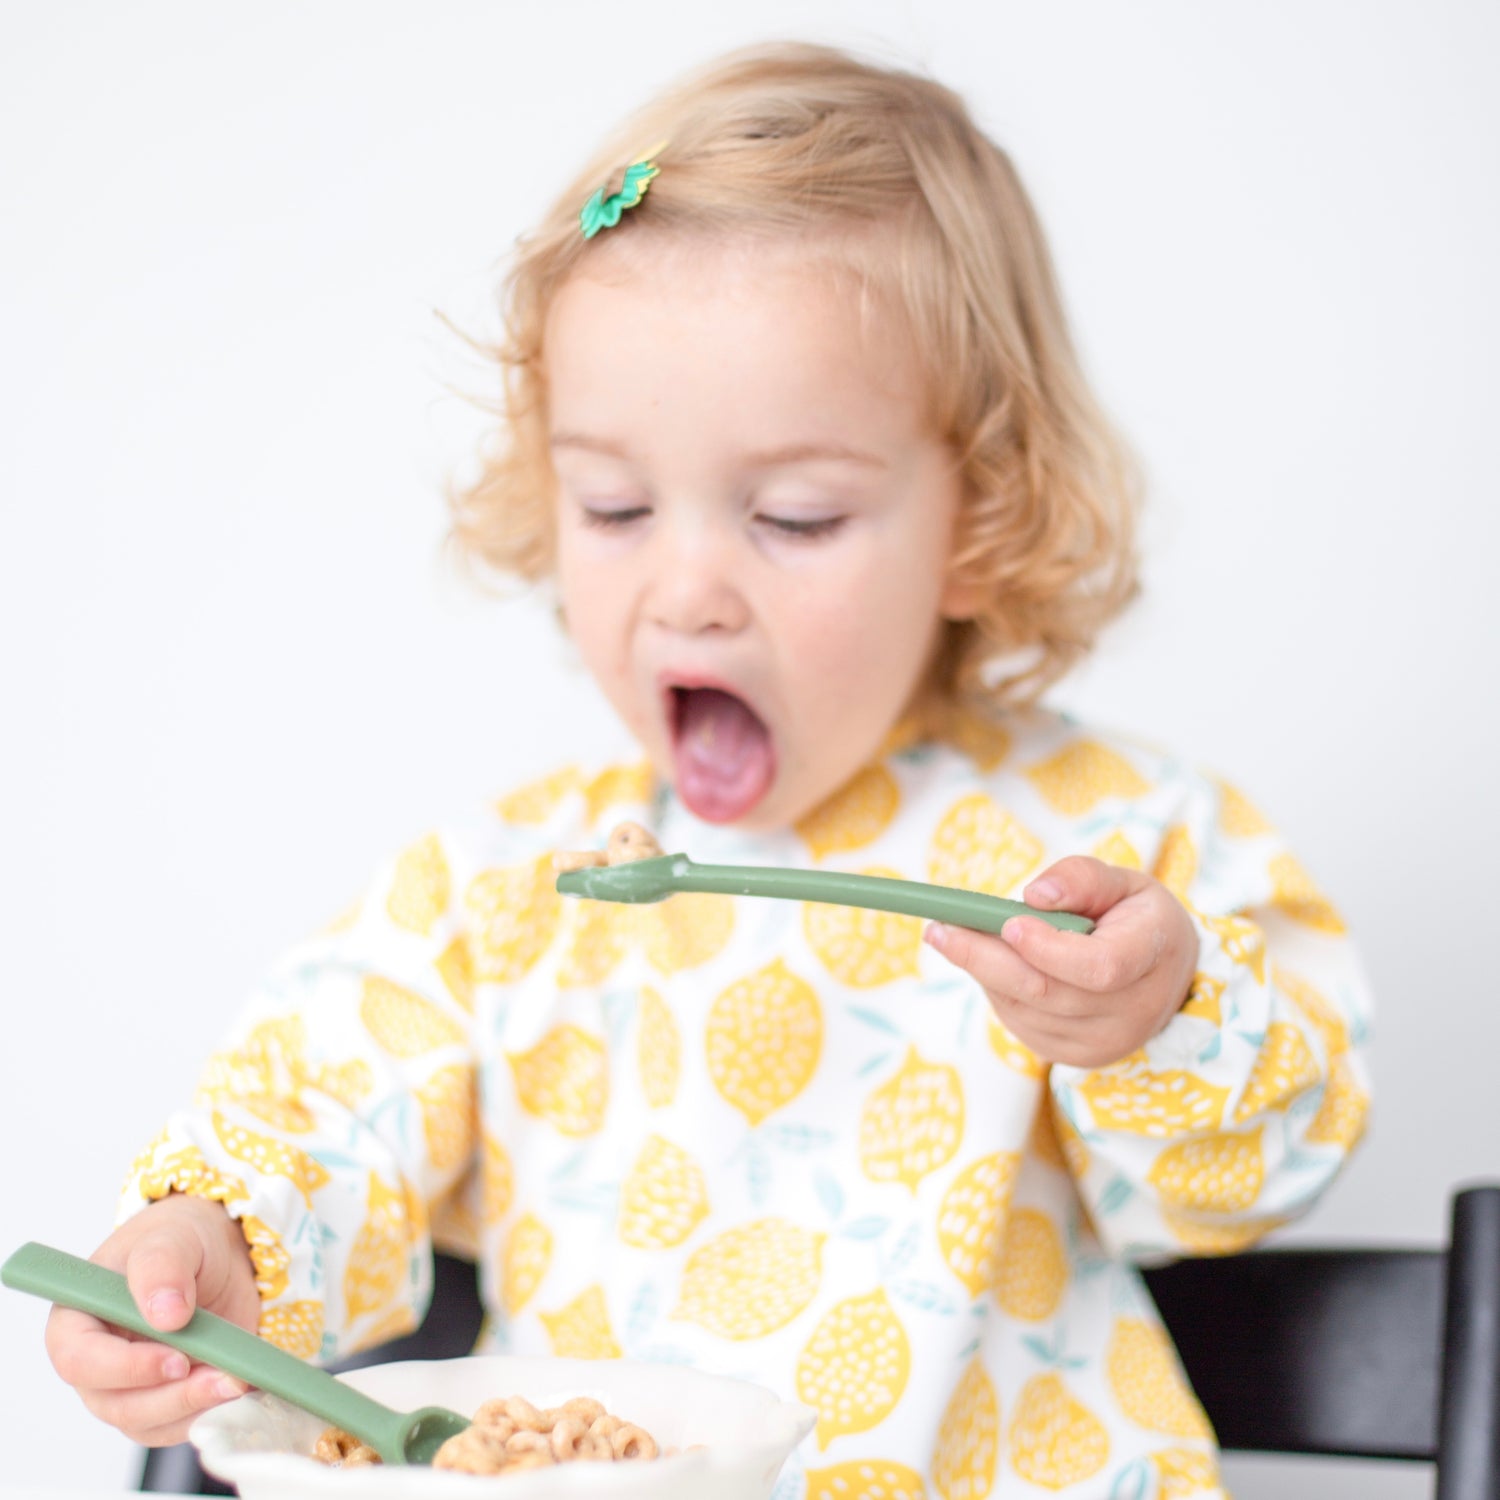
(399, 1437)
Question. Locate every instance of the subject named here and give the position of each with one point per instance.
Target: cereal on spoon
(628, 842)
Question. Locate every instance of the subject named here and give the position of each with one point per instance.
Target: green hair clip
(621, 190)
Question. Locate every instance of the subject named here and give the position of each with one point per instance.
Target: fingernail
(937, 935)
(228, 1387)
(165, 1304)
(175, 1366)
(1042, 891)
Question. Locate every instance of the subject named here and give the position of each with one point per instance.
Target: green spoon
(655, 879)
(398, 1437)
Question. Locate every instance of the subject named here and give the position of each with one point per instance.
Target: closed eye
(803, 529)
(607, 519)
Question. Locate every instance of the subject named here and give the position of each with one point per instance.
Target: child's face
(754, 521)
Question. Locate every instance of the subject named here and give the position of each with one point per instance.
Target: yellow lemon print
(1055, 1440)
(1221, 1174)
(581, 1329)
(855, 1366)
(497, 1181)
(564, 1079)
(268, 1255)
(420, 886)
(1012, 1051)
(1329, 1024)
(619, 784)
(1160, 1104)
(186, 1171)
(378, 1258)
(1284, 1067)
(865, 1479)
(686, 931)
(1176, 861)
(595, 937)
(1293, 892)
(1033, 1268)
(1148, 1382)
(981, 739)
(449, 1115)
(347, 1082)
(1204, 999)
(764, 1036)
(455, 966)
(1238, 817)
(513, 915)
(272, 1157)
(395, 1322)
(663, 1198)
(526, 1260)
(856, 815)
(863, 948)
(1043, 1142)
(296, 1327)
(980, 847)
(404, 1023)
(1183, 1472)
(1075, 1151)
(270, 1061)
(1083, 774)
(912, 1123)
(1242, 941)
(970, 1215)
(535, 802)
(968, 1440)
(1340, 1120)
(751, 1280)
(1116, 849)
(1214, 1236)
(658, 1050)
(289, 1115)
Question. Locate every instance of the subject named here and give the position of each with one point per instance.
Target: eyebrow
(768, 458)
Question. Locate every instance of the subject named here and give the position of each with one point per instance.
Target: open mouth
(722, 750)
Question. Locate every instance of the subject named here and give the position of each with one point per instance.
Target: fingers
(149, 1392)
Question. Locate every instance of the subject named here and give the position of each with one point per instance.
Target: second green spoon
(665, 875)
(399, 1437)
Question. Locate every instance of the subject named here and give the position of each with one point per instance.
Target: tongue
(725, 760)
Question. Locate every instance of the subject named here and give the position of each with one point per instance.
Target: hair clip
(622, 189)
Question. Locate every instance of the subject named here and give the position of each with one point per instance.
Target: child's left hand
(1085, 1000)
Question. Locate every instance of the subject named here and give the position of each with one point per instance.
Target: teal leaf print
(878, 1061)
(1115, 1196)
(798, 1138)
(875, 1019)
(1045, 1352)
(865, 1229)
(924, 1296)
(1210, 1049)
(642, 1315)
(905, 1249)
(758, 1173)
(1131, 1482)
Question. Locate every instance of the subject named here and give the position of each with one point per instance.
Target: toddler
(793, 421)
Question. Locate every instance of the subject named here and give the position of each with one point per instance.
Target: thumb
(1084, 885)
(162, 1273)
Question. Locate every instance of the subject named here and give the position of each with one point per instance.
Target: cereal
(509, 1435)
(627, 842)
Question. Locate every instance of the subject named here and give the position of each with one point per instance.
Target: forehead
(777, 333)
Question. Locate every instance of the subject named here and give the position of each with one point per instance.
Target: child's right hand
(178, 1254)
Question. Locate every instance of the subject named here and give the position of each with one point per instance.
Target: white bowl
(264, 1446)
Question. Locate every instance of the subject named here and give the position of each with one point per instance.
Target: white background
(236, 669)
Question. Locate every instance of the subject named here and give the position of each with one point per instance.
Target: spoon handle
(72, 1282)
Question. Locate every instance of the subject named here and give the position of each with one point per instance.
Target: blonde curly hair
(795, 140)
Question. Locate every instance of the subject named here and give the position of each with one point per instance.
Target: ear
(961, 598)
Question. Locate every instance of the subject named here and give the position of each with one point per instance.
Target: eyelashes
(792, 527)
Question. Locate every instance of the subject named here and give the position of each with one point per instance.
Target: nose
(697, 577)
